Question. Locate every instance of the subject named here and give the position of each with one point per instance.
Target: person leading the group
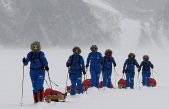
(38, 65)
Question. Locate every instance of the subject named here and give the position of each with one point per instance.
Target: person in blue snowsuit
(76, 66)
(129, 69)
(108, 60)
(38, 65)
(146, 66)
(96, 60)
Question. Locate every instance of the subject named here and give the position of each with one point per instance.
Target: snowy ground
(144, 98)
(11, 76)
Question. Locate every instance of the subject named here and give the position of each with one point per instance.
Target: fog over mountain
(80, 22)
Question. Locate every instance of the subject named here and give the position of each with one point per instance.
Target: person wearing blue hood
(96, 60)
(129, 69)
(146, 66)
(108, 60)
(38, 65)
(76, 66)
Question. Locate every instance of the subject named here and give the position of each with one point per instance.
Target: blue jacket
(146, 66)
(37, 59)
(95, 59)
(76, 63)
(107, 62)
(129, 65)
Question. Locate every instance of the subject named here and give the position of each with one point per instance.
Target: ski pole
(155, 72)
(22, 86)
(103, 82)
(47, 83)
(85, 79)
(54, 83)
(49, 80)
(123, 76)
(84, 86)
(67, 80)
(138, 80)
(152, 74)
(115, 73)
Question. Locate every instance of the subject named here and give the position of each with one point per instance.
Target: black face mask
(35, 48)
(131, 57)
(145, 59)
(94, 49)
(76, 51)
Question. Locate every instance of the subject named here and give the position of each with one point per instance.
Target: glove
(68, 64)
(123, 71)
(24, 60)
(87, 65)
(139, 70)
(101, 62)
(84, 73)
(47, 68)
(152, 67)
(114, 65)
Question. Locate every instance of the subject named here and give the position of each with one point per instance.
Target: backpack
(40, 60)
(72, 60)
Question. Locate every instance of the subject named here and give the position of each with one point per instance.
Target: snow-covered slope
(11, 76)
(106, 16)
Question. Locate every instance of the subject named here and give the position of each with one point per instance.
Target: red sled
(152, 82)
(54, 95)
(122, 83)
(86, 84)
(101, 85)
(70, 87)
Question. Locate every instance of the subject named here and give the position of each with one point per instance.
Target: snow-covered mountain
(81, 22)
(152, 15)
(53, 22)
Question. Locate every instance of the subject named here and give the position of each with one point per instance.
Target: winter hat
(94, 48)
(35, 46)
(76, 50)
(108, 53)
(131, 56)
(145, 58)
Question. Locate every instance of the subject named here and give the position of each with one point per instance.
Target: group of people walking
(77, 68)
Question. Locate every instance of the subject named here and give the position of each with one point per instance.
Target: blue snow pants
(76, 78)
(37, 79)
(107, 78)
(95, 76)
(145, 78)
(130, 79)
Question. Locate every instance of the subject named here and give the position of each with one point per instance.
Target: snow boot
(35, 96)
(41, 95)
